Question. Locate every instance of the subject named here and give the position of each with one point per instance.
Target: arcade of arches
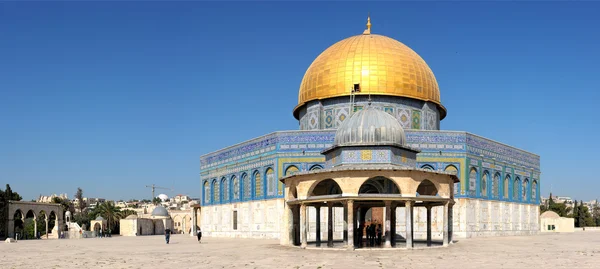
(18, 212)
(361, 192)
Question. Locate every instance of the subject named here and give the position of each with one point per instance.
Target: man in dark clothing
(379, 234)
(167, 235)
(199, 235)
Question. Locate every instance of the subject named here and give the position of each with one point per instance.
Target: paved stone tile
(581, 250)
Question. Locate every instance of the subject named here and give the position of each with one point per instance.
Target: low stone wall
(588, 229)
(255, 219)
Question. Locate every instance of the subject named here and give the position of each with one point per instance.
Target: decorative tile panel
(416, 119)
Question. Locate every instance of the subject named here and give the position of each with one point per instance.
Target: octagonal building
(497, 186)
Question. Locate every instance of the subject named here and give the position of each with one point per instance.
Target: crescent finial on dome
(368, 30)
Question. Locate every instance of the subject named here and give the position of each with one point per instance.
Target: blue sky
(113, 96)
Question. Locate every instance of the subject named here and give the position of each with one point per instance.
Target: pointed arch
(30, 214)
(495, 186)
(258, 184)
(516, 188)
(215, 191)
(534, 191)
(290, 170)
(18, 213)
(271, 181)
(426, 187)
(42, 213)
(506, 185)
(316, 167)
(427, 167)
(452, 169)
(379, 185)
(485, 179)
(235, 188)
(473, 181)
(206, 192)
(525, 190)
(224, 190)
(325, 187)
(247, 187)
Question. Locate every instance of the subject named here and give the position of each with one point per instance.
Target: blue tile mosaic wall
(480, 152)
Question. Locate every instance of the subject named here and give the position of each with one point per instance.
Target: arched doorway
(371, 216)
(18, 218)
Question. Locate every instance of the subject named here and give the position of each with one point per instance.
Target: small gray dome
(369, 126)
(100, 218)
(160, 211)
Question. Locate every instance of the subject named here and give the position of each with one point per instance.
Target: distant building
(180, 198)
(48, 199)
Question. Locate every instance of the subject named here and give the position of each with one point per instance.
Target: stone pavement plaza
(581, 250)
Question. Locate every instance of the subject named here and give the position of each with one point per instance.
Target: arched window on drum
(472, 181)
(506, 187)
(452, 169)
(271, 182)
(534, 191)
(484, 184)
(235, 187)
(206, 192)
(516, 188)
(215, 186)
(495, 186)
(224, 190)
(247, 185)
(258, 185)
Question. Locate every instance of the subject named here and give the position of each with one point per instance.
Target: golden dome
(382, 66)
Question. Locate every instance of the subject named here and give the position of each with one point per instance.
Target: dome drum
(330, 113)
(385, 154)
(370, 136)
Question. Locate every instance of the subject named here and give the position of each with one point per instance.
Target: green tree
(79, 197)
(576, 214)
(111, 214)
(156, 200)
(5, 196)
(585, 217)
(64, 203)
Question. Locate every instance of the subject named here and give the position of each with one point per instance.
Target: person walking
(167, 235)
(199, 235)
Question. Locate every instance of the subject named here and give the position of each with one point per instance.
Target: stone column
(451, 222)
(318, 222)
(393, 226)
(428, 225)
(329, 224)
(409, 224)
(287, 233)
(46, 227)
(34, 227)
(11, 226)
(446, 207)
(351, 223)
(194, 228)
(345, 224)
(388, 224)
(303, 224)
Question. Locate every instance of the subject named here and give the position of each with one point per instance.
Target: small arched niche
(326, 187)
(379, 185)
(427, 187)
